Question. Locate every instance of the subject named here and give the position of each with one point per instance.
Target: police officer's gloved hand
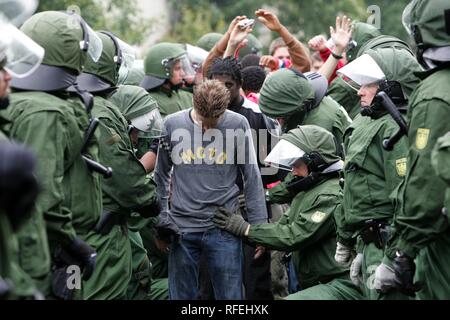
(166, 231)
(385, 278)
(19, 187)
(356, 270)
(151, 210)
(405, 268)
(85, 254)
(233, 223)
(343, 254)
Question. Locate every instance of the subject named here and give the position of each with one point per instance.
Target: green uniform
(371, 176)
(70, 203)
(140, 285)
(420, 224)
(440, 159)
(346, 96)
(328, 115)
(367, 37)
(307, 229)
(134, 101)
(23, 284)
(174, 101)
(128, 188)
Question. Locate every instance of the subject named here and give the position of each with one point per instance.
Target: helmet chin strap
(394, 90)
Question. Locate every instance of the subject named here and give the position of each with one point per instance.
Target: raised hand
(269, 19)
(269, 62)
(342, 34)
(238, 35)
(234, 22)
(318, 43)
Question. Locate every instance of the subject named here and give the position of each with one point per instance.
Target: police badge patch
(422, 138)
(318, 216)
(400, 165)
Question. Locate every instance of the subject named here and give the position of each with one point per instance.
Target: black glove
(18, 185)
(151, 210)
(405, 268)
(85, 255)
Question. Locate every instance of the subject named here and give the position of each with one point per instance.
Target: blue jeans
(223, 254)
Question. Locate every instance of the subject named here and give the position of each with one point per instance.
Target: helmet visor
(22, 54)
(128, 56)
(406, 18)
(150, 124)
(274, 127)
(17, 11)
(91, 42)
(361, 72)
(196, 55)
(182, 69)
(284, 156)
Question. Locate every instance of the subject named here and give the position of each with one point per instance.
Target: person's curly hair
(227, 66)
(211, 99)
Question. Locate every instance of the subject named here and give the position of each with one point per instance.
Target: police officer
(209, 40)
(128, 190)
(307, 228)
(371, 172)
(136, 105)
(166, 66)
(18, 185)
(421, 228)
(364, 36)
(53, 124)
(296, 99)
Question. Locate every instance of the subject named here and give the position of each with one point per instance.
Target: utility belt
(108, 220)
(375, 231)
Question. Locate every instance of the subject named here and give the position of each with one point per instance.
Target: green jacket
(441, 160)
(129, 188)
(328, 115)
(345, 96)
(176, 101)
(371, 173)
(343, 93)
(70, 203)
(3, 124)
(307, 229)
(420, 220)
(23, 286)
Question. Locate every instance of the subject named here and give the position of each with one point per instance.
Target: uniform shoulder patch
(400, 165)
(422, 138)
(318, 216)
(113, 139)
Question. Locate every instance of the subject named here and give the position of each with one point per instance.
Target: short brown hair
(277, 43)
(211, 98)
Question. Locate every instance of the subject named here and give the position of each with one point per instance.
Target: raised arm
(219, 49)
(341, 37)
(298, 52)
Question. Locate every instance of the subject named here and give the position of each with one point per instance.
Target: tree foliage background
(304, 18)
(190, 19)
(121, 17)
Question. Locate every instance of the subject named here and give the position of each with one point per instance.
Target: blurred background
(145, 22)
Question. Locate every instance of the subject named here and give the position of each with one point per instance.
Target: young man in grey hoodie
(202, 152)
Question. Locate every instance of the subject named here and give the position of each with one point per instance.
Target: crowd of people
(211, 171)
